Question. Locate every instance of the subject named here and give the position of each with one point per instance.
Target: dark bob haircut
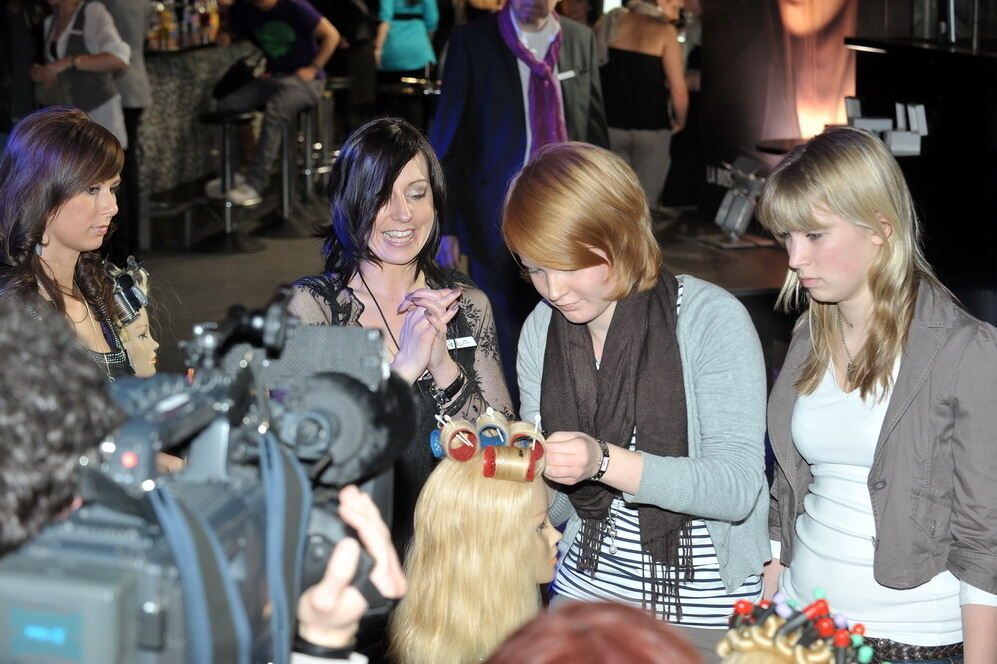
(360, 185)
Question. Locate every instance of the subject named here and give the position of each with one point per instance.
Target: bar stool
(420, 91)
(227, 240)
(284, 222)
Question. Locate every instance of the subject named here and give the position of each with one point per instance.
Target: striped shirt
(622, 567)
(705, 601)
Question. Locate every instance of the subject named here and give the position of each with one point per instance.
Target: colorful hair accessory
(509, 463)
(459, 439)
(519, 458)
(810, 636)
(493, 428)
(131, 284)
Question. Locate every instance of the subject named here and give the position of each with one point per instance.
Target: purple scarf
(546, 116)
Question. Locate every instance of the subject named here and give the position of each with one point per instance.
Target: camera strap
(217, 625)
(288, 500)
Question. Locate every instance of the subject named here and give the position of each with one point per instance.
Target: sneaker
(244, 195)
(213, 189)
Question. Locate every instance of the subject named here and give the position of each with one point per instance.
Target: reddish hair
(596, 633)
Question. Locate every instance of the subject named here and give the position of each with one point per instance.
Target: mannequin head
(140, 344)
(131, 302)
(760, 634)
(481, 547)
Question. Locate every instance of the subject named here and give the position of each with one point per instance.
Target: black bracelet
(441, 397)
(314, 650)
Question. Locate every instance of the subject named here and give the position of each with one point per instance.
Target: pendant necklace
(96, 335)
(378, 306)
(850, 370)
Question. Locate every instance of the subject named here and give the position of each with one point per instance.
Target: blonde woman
(481, 547)
(652, 387)
(883, 418)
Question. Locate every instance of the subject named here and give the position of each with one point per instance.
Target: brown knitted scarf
(638, 385)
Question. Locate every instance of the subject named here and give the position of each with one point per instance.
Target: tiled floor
(189, 288)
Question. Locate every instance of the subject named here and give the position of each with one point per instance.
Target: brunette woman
(387, 192)
(59, 176)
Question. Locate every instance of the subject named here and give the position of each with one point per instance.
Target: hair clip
(130, 286)
(509, 450)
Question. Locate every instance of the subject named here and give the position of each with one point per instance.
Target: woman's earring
(38, 248)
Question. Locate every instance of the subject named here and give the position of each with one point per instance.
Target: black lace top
(326, 300)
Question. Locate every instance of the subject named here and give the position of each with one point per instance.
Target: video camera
(205, 565)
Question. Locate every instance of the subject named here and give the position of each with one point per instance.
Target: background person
(541, 86)
(643, 80)
(82, 51)
(58, 181)
(652, 390)
(297, 42)
(131, 18)
(882, 419)
(406, 49)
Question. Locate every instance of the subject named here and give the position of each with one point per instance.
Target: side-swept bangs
(573, 199)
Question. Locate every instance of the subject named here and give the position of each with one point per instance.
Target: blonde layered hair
(470, 567)
(572, 198)
(850, 173)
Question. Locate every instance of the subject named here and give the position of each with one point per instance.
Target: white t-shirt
(836, 432)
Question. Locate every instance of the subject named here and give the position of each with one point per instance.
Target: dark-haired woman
(59, 176)
(387, 192)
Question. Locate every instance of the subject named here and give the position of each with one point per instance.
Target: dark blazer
(933, 481)
(479, 132)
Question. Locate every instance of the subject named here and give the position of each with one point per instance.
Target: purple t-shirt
(283, 32)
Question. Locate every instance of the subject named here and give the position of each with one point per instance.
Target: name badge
(565, 75)
(461, 342)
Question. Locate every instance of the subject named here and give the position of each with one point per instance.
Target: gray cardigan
(722, 480)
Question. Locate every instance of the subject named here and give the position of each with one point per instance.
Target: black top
(114, 364)
(336, 304)
(635, 90)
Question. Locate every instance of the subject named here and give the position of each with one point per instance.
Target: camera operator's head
(54, 407)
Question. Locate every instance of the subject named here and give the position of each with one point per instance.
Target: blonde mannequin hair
(850, 173)
(469, 565)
